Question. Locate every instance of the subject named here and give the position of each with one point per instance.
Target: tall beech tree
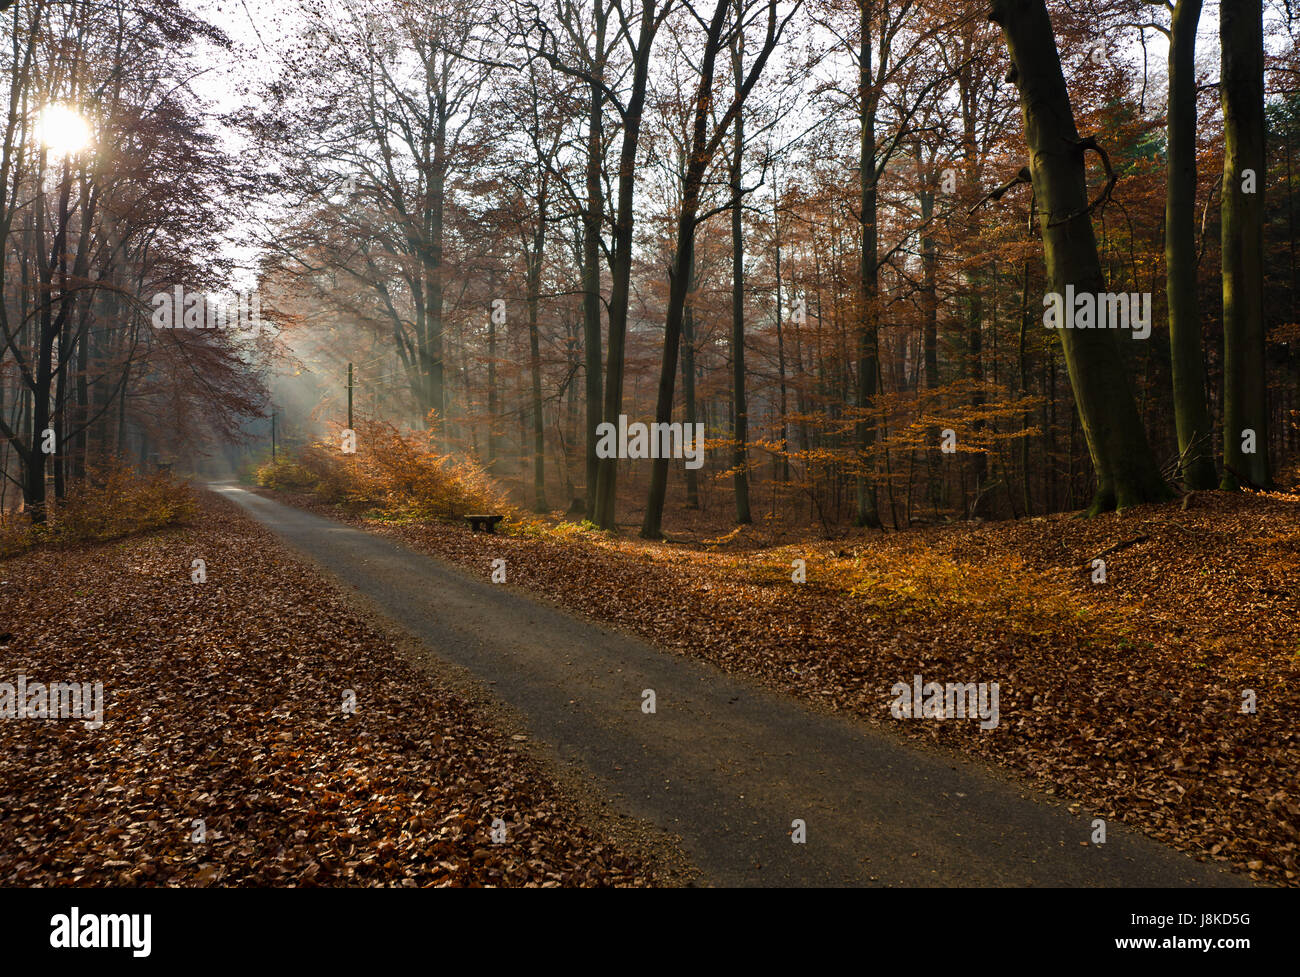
(592, 215)
(651, 19)
(1126, 471)
(538, 117)
(591, 39)
(1245, 384)
(703, 147)
(879, 59)
(868, 330)
(739, 401)
(1191, 409)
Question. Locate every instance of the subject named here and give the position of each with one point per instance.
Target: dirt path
(722, 763)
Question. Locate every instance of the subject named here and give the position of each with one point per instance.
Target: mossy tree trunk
(1245, 391)
(1126, 471)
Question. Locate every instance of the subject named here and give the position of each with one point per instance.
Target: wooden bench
(483, 523)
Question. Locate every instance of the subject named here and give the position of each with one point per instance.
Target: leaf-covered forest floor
(224, 702)
(1123, 698)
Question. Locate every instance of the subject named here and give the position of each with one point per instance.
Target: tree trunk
(679, 275)
(975, 297)
(781, 466)
(493, 397)
(592, 216)
(535, 360)
(868, 332)
(1127, 474)
(739, 406)
(621, 267)
(1191, 412)
(436, 399)
(688, 389)
(1022, 358)
(980, 508)
(930, 329)
(1245, 406)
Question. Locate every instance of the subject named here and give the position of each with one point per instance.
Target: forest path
(722, 763)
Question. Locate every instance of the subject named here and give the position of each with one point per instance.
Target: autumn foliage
(113, 501)
(393, 474)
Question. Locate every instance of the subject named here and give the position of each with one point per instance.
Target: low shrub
(396, 476)
(113, 501)
(284, 475)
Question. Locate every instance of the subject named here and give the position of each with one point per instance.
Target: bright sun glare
(63, 130)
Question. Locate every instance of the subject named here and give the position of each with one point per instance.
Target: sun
(63, 130)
